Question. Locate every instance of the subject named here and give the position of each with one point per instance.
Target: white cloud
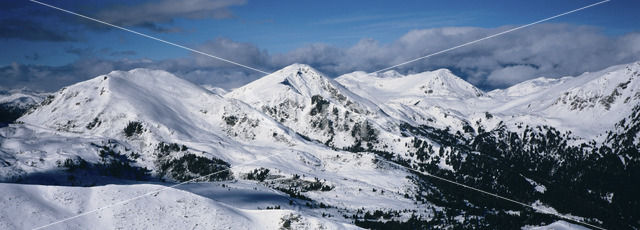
(511, 75)
(550, 50)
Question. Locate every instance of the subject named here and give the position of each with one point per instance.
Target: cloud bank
(154, 13)
(550, 50)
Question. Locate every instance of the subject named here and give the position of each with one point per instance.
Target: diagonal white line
(494, 195)
(492, 36)
(151, 193)
(505, 198)
(151, 37)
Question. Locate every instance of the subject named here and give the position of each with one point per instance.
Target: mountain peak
(529, 87)
(296, 67)
(145, 77)
(389, 74)
(120, 96)
(446, 75)
(297, 78)
(303, 72)
(443, 82)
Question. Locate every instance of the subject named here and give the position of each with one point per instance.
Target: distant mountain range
(302, 150)
(14, 103)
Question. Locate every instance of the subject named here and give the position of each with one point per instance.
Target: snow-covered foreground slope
(32, 206)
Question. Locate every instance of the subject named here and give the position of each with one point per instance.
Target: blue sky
(344, 23)
(33, 35)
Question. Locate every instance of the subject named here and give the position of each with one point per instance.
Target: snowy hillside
(172, 209)
(299, 149)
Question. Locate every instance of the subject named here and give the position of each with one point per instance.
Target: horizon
(55, 49)
(368, 73)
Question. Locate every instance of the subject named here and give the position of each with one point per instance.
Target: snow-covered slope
(167, 105)
(146, 111)
(528, 87)
(323, 110)
(327, 152)
(31, 206)
(437, 98)
(599, 99)
(215, 90)
(316, 106)
(169, 110)
(129, 122)
(439, 83)
(558, 225)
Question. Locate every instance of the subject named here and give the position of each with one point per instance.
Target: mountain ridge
(350, 153)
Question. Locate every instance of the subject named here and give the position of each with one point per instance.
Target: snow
(598, 98)
(288, 96)
(215, 90)
(529, 87)
(543, 208)
(609, 197)
(21, 97)
(31, 206)
(173, 110)
(558, 225)
(439, 83)
(538, 187)
(261, 125)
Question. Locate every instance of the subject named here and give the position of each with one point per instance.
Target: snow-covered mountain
(435, 98)
(332, 153)
(599, 99)
(156, 109)
(440, 83)
(145, 124)
(166, 105)
(319, 108)
(14, 103)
